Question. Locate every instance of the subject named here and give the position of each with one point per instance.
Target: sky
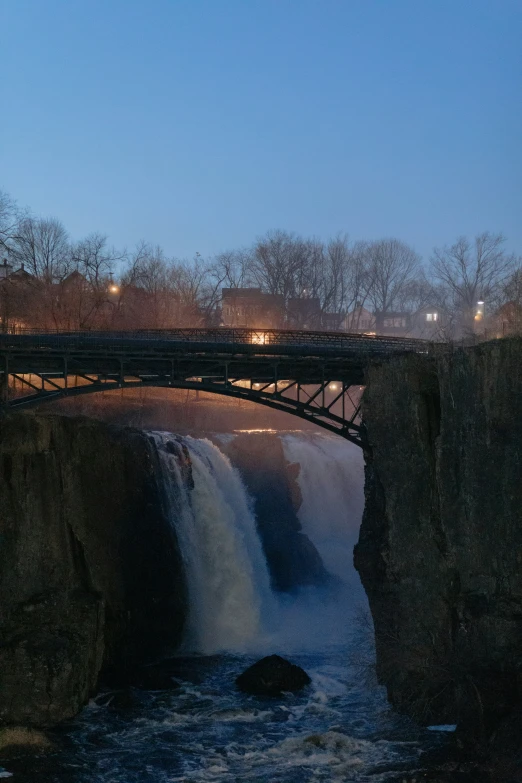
(200, 125)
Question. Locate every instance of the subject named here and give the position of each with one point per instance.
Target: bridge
(312, 375)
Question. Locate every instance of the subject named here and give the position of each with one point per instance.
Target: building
(393, 324)
(429, 323)
(359, 320)
(332, 322)
(250, 307)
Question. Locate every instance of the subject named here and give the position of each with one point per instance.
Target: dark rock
(89, 565)
(272, 676)
(439, 552)
(292, 558)
(21, 741)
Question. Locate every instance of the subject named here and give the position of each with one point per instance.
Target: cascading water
(331, 481)
(225, 567)
(231, 606)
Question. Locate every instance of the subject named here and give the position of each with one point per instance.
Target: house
(392, 324)
(75, 280)
(359, 320)
(429, 323)
(250, 307)
(332, 322)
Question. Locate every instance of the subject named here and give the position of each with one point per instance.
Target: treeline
(89, 284)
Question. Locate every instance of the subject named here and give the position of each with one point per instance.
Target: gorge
(120, 546)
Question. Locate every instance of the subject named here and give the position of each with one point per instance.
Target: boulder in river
(272, 676)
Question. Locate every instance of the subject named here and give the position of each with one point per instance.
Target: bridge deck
(272, 367)
(267, 341)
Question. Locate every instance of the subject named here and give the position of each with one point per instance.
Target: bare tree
(279, 263)
(512, 290)
(392, 266)
(42, 245)
(83, 295)
(198, 291)
(158, 292)
(347, 278)
(232, 269)
(95, 260)
(471, 272)
(146, 291)
(9, 220)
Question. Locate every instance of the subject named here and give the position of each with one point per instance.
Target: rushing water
(338, 729)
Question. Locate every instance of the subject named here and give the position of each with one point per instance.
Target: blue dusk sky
(201, 124)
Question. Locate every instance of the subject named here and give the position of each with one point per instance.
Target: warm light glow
(478, 317)
(114, 288)
(333, 386)
(259, 338)
(259, 430)
(257, 385)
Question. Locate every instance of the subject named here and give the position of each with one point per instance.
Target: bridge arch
(313, 375)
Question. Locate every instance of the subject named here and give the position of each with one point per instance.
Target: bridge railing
(233, 337)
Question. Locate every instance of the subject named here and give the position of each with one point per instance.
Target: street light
(113, 287)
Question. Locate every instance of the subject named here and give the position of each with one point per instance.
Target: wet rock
(15, 740)
(272, 676)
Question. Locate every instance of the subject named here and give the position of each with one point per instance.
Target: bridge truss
(315, 376)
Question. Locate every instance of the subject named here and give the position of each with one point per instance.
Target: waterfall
(331, 480)
(226, 572)
(231, 605)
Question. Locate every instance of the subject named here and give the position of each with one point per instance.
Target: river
(340, 728)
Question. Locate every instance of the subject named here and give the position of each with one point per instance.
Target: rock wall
(271, 480)
(91, 582)
(440, 548)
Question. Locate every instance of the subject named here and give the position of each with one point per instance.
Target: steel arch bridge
(308, 374)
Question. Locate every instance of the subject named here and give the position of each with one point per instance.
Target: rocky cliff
(91, 580)
(440, 548)
(271, 480)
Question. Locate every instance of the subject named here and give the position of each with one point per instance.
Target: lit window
(432, 316)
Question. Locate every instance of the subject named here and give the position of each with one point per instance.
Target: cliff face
(440, 548)
(292, 558)
(90, 575)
